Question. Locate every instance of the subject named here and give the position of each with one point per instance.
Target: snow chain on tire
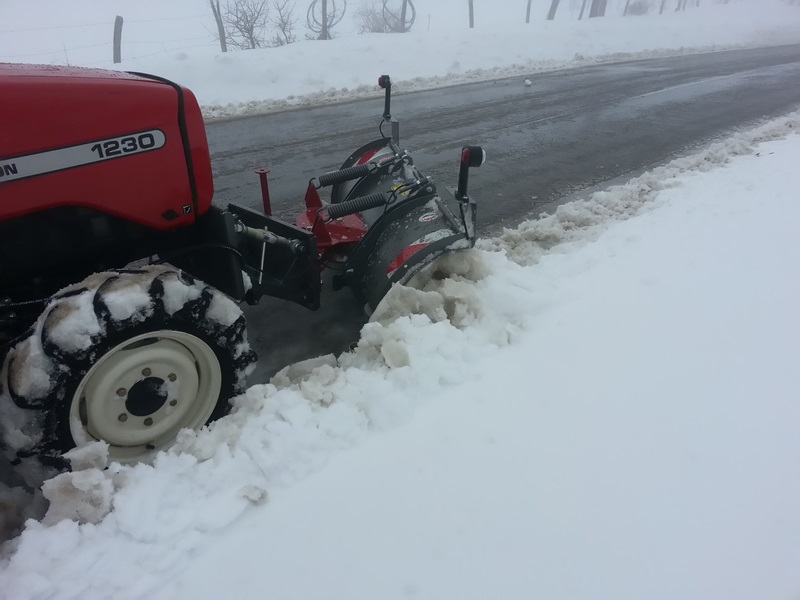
(167, 341)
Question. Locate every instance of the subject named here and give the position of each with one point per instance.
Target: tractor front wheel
(129, 358)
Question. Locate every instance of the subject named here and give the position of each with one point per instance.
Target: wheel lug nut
(173, 402)
(121, 392)
(123, 417)
(147, 372)
(148, 421)
(172, 377)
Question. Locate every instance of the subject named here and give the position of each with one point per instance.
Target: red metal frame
(262, 174)
(331, 234)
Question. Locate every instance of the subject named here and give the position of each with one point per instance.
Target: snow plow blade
(406, 228)
(402, 241)
(385, 220)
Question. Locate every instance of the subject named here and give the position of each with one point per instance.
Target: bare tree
(551, 14)
(399, 21)
(220, 24)
(661, 9)
(283, 22)
(471, 15)
(369, 18)
(324, 15)
(583, 9)
(246, 23)
(528, 12)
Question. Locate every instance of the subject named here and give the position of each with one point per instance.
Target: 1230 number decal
(126, 145)
(70, 157)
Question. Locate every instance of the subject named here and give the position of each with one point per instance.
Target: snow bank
(583, 220)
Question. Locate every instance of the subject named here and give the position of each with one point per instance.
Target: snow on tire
(127, 357)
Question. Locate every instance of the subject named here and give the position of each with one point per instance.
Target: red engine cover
(122, 144)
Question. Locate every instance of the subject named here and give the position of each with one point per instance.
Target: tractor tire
(129, 358)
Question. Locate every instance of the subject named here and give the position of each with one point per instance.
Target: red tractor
(120, 280)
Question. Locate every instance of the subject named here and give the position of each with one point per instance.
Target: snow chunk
(395, 354)
(441, 291)
(223, 310)
(29, 369)
(404, 300)
(303, 370)
(256, 495)
(177, 293)
(128, 297)
(72, 324)
(82, 496)
(93, 455)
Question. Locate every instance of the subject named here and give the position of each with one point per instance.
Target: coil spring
(347, 174)
(356, 205)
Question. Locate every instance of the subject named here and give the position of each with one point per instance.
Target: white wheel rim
(141, 393)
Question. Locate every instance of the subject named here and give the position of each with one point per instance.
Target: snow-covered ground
(602, 403)
(175, 39)
(595, 406)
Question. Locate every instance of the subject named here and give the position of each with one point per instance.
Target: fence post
(118, 40)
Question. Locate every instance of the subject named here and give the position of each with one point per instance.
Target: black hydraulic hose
(342, 175)
(356, 205)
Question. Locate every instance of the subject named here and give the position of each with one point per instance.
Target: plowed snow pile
(592, 406)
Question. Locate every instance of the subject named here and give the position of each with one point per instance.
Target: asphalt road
(568, 131)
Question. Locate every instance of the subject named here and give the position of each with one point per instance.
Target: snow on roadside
(163, 515)
(578, 221)
(299, 75)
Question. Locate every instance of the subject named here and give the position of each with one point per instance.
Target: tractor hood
(128, 145)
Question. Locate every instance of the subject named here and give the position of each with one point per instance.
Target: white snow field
(602, 403)
(610, 411)
(175, 39)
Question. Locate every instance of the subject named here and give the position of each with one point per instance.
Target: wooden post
(223, 43)
(118, 40)
(551, 14)
(324, 34)
(528, 13)
(471, 15)
(598, 9)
